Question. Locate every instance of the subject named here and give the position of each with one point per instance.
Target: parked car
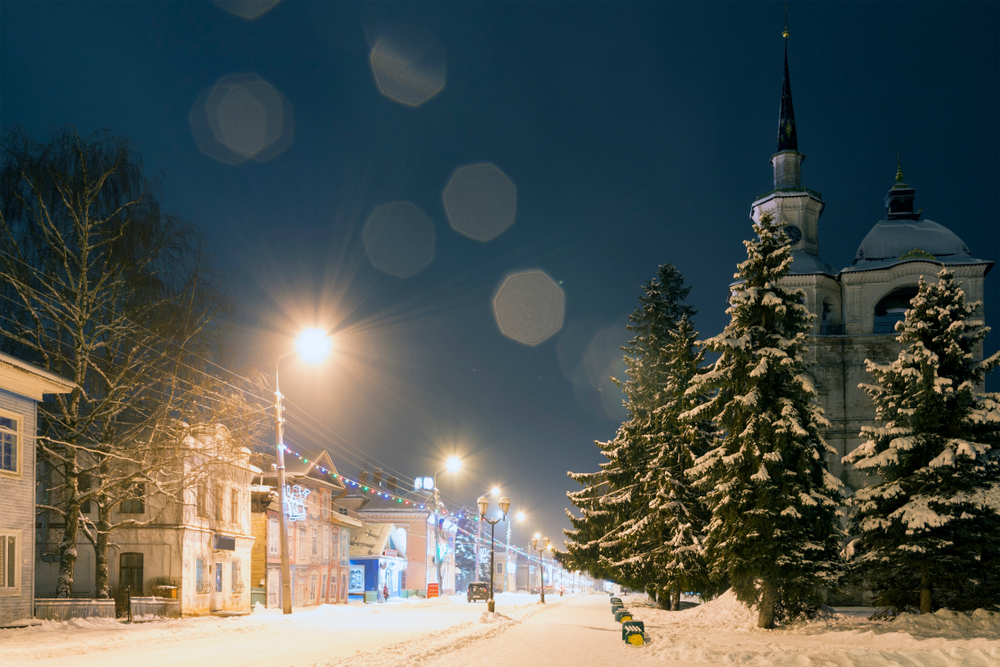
(478, 591)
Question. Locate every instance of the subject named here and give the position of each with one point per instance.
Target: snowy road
(571, 632)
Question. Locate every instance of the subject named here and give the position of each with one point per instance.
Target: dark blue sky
(636, 134)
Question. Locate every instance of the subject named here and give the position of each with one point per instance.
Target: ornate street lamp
(484, 505)
(313, 345)
(541, 555)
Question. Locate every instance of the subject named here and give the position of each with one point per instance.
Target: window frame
(18, 435)
(134, 505)
(10, 566)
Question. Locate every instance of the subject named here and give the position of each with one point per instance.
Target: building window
(10, 459)
(312, 588)
(9, 580)
(202, 500)
(136, 502)
(234, 506)
(402, 580)
(315, 542)
(83, 483)
(342, 511)
(130, 572)
(201, 584)
(302, 543)
(218, 503)
(326, 544)
(322, 588)
(236, 585)
(273, 545)
(892, 308)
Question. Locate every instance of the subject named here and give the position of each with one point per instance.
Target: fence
(61, 609)
(154, 606)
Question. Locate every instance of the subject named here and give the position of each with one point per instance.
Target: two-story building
(192, 542)
(318, 532)
(22, 386)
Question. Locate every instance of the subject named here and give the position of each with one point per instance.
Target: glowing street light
(541, 555)
(484, 506)
(495, 491)
(313, 345)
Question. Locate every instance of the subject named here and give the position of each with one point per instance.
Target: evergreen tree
(775, 530)
(617, 529)
(678, 515)
(929, 528)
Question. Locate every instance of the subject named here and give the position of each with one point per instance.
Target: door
(217, 599)
(130, 573)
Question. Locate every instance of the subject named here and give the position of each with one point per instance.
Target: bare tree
(103, 288)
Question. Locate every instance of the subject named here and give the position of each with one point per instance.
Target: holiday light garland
(403, 501)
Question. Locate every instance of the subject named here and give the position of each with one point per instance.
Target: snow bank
(493, 617)
(950, 624)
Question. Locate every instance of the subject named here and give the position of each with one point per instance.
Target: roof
(29, 380)
(788, 139)
(894, 241)
(804, 262)
(371, 540)
(314, 464)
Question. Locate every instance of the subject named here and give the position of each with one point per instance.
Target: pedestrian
(385, 591)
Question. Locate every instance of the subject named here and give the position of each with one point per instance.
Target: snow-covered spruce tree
(678, 515)
(928, 531)
(775, 528)
(583, 551)
(626, 478)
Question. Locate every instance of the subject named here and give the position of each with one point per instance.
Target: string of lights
(377, 491)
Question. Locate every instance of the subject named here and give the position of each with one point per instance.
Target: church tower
(798, 209)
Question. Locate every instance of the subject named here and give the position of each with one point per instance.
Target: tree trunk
(71, 529)
(925, 590)
(101, 586)
(675, 602)
(768, 601)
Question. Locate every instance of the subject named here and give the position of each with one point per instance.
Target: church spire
(787, 138)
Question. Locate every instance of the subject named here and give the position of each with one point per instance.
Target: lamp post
(484, 505)
(479, 535)
(312, 345)
(453, 465)
(541, 555)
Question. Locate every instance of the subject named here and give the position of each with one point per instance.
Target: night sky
(635, 134)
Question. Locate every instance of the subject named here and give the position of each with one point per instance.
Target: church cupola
(899, 200)
(787, 162)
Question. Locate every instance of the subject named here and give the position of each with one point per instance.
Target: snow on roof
(27, 379)
(890, 240)
(803, 262)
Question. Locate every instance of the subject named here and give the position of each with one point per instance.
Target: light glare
(454, 464)
(313, 345)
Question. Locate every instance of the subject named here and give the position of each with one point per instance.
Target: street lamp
(452, 465)
(495, 491)
(541, 555)
(313, 345)
(484, 505)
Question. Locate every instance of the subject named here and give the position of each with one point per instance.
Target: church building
(857, 307)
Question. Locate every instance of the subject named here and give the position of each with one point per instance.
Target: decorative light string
(376, 491)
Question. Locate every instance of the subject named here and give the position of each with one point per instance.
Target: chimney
(378, 477)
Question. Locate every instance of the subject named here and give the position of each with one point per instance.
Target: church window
(892, 308)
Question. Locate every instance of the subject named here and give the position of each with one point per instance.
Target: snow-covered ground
(570, 631)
